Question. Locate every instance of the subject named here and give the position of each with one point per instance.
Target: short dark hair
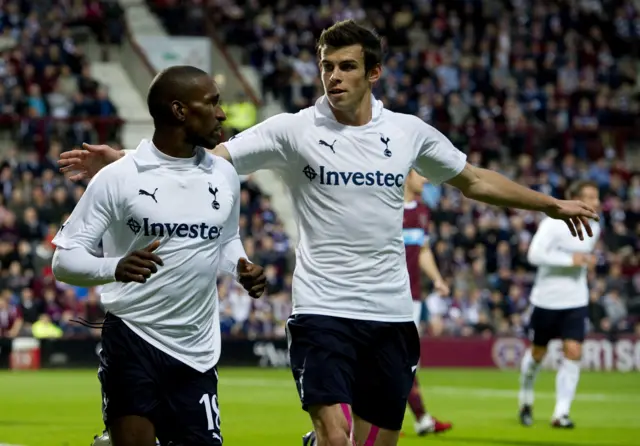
(576, 188)
(170, 85)
(347, 33)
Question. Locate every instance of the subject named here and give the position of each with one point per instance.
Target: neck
(360, 116)
(171, 142)
(409, 196)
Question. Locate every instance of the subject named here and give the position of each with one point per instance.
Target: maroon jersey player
(419, 259)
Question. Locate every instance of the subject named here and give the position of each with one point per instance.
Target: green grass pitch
(260, 407)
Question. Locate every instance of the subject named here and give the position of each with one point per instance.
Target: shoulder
(225, 168)
(282, 122)
(113, 176)
(409, 123)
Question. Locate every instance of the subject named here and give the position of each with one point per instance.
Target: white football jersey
(559, 284)
(192, 207)
(347, 186)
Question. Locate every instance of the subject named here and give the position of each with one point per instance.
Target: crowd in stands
(545, 92)
(47, 90)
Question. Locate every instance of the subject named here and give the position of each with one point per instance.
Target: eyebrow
(339, 61)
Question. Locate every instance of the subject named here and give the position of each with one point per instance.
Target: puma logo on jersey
(153, 195)
(324, 143)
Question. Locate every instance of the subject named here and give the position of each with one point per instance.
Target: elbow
(534, 259)
(58, 268)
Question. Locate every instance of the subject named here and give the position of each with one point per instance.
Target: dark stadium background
(546, 92)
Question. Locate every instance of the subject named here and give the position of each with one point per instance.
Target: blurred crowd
(47, 90)
(545, 92)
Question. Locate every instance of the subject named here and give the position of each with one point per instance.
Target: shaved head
(187, 99)
(169, 89)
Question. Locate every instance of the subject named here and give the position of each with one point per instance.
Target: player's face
(591, 197)
(203, 114)
(415, 182)
(344, 77)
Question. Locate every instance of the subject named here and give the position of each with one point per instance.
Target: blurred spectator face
(30, 216)
(15, 269)
(591, 197)
(344, 76)
(415, 182)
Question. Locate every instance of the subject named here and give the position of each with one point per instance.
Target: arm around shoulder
(264, 146)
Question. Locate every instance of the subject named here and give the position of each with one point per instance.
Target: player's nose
(221, 115)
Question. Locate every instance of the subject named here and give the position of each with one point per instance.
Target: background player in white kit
(168, 218)
(560, 297)
(353, 344)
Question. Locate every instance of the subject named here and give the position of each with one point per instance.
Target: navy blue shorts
(368, 365)
(565, 324)
(138, 379)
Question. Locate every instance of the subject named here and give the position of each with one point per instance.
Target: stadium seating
(544, 94)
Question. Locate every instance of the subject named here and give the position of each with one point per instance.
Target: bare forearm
(428, 265)
(493, 188)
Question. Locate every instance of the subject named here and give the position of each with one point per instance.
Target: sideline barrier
(599, 354)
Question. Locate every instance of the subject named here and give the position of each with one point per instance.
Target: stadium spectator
(44, 74)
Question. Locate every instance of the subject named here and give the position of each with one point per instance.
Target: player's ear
(375, 73)
(179, 110)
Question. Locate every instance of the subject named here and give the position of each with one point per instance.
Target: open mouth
(336, 91)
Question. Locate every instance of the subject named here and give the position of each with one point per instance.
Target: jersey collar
(322, 110)
(145, 159)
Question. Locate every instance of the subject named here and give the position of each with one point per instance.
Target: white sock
(528, 372)
(566, 385)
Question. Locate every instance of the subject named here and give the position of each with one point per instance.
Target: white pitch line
(471, 392)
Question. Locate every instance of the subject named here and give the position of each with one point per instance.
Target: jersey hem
(355, 316)
(563, 307)
(163, 348)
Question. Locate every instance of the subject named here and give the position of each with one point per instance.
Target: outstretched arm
(493, 188)
(438, 160)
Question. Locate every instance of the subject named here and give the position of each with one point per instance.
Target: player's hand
(139, 265)
(576, 215)
(441, 288)
(80, 165)
(252, 278)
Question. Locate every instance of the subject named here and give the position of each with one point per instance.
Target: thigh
(574, 324)
(544, 326)
(323, 357)
(385, 373)
(366, 434)
(192, 408)
(132, 430)
(128, 375)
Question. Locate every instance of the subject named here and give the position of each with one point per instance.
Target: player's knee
(538, 352)
(572, 350)
(331, 425)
